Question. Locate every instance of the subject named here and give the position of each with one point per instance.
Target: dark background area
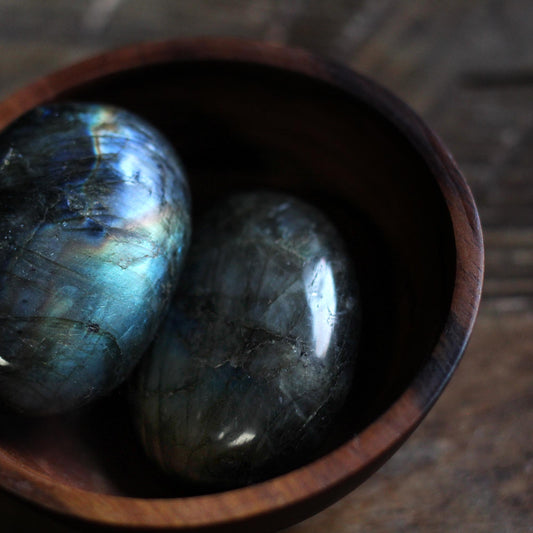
(466, 66)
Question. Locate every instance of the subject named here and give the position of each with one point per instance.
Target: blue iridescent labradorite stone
(94, 225)
(256, 355)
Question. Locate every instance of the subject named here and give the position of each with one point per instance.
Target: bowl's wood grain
(253, 115)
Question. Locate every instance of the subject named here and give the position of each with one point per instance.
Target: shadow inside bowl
(239, 126)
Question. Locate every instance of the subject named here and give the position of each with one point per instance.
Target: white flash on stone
(322, 302)
(243, 438)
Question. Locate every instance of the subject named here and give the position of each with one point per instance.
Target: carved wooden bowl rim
(306, 490)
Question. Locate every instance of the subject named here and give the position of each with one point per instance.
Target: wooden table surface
(467, 67)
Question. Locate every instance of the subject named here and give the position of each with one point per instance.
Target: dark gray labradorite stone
(256, 356)
(94, 224)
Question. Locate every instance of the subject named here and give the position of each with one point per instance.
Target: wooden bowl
(243, 115)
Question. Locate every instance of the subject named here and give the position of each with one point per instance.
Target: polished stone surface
(257, 354)
(94, 225)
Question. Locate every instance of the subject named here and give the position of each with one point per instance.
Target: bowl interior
(241, 126)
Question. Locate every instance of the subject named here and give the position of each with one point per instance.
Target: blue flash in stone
(257, 353)
(94, 224)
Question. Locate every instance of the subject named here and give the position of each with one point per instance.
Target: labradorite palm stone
(94, 224)
(256, 356)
